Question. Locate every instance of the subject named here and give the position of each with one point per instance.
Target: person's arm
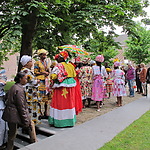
(21, 106)
(54, 73)
(144, 74)
(105, 75)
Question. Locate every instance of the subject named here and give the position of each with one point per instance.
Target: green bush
(8, 85)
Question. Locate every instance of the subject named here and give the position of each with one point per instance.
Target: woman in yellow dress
(41, 71)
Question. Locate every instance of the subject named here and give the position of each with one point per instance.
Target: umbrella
(74, 49)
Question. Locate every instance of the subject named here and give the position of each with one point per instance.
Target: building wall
(11, 66)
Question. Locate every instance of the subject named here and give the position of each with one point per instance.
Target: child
(109, 82)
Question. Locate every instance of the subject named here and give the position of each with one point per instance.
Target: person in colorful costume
(85, 76)
(78, 99)
(98, 89)
(119, 83)
(62, 108)
(41, 72)
(31, 90)
(109, 82)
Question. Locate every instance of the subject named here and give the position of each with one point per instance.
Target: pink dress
(98, 90)
(119, 84)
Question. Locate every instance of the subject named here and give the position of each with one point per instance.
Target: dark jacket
(148, 75)
(16, 110)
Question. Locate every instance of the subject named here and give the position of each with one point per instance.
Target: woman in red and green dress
(62, 108)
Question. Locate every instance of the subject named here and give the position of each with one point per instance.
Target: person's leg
(11, 135)
(140, 87)
(120, 100)
(98, 105)
(144, 88)
(129, 85)
(83, 102)
(89, 102)
(132, 89)
(32, 133)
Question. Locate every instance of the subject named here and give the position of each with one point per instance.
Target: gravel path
(109, 105)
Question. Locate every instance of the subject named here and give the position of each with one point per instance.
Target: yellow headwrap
(40, 51)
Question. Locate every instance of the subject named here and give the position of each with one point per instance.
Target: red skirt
(78, 97)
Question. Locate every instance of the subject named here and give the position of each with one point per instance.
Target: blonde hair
(142, 64)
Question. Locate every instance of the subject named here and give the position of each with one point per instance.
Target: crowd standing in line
(59, 92)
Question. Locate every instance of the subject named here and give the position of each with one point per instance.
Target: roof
(121, 39)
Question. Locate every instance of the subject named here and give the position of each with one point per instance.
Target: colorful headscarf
(78, 59)
(116, 59)
(25, 59)
(40, 51)
(64, 54)
(56, 56)
(86, 60)
(108, 70)
(116, 63)
(92, 62)
(99, 58)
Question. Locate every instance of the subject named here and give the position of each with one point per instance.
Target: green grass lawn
(134, 137)
(8, 85)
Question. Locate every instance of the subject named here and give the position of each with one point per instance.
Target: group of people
(59, 92)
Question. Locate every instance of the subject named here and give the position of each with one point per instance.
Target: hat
(40, 51)
(116, 63)
(64, 54)
(25, 59)
(116, 59)
(108, 70)
(86, 60)
(56, 56)
(99, 58)
(78, 59)
(92, 62)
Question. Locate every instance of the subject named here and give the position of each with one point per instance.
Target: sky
(119, 29)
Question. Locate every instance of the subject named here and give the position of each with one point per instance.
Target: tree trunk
(28, 30)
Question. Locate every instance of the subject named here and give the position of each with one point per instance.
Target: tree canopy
(50, 23)
(139, 45)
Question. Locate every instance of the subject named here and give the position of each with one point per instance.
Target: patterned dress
(32, 96)
(119, 83)
(85, 76)
(98, 89)
(38, 68)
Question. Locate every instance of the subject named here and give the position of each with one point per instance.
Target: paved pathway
(93, 134)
